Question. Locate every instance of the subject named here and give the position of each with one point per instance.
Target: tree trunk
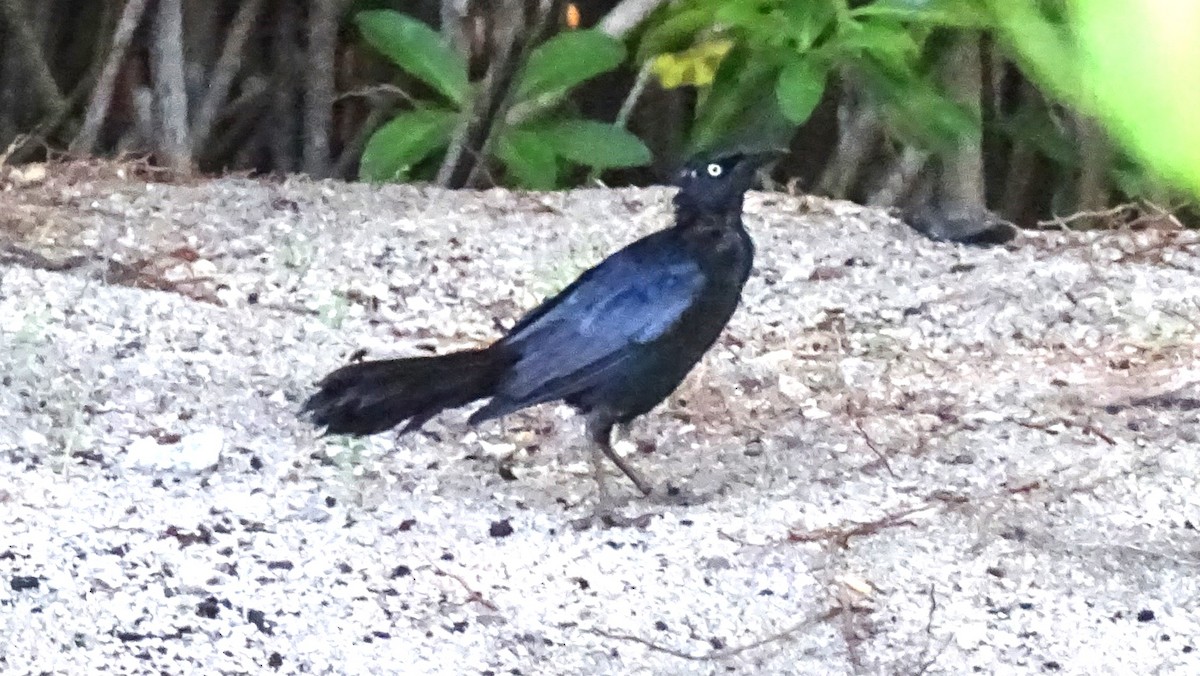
(320, 87)
(29, 51)
(1095, 155)
(960, 182)
(173, 143)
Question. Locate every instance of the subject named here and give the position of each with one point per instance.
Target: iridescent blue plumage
(613, 344)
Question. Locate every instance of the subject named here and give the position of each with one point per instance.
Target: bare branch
(1096, 156)
(627, 15)
(97, 110)
(244, 114)
(27, 45)
(513, 36)
(350, 155)
(635, 94)
(228, 65)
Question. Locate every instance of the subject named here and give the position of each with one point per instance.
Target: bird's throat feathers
(688, 212)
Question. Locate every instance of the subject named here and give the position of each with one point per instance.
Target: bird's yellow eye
(714, 170)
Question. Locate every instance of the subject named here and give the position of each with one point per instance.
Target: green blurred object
(1142, 67)
(1133, 64)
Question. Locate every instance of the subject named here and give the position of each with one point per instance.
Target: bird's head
(717, 184)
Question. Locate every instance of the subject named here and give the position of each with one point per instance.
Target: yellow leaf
(693, 67)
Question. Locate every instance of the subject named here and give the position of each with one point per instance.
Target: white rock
(193, 575)
(31, 438)
(201, 450)
(196, 452)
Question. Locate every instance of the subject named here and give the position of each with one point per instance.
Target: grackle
(613, 344)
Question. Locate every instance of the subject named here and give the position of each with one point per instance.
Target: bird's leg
(601, 436)
(634, 476)
(603, 497)
(599, 432)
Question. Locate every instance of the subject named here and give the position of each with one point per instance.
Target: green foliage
(568, 60)
(799, 88)
(785, 50)
(536, 141)
(737, 90)
(529, 158)
(405, 141)
(595, 144)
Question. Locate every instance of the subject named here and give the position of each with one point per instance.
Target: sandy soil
(912, 457)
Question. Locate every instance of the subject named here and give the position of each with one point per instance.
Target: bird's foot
(670, 494)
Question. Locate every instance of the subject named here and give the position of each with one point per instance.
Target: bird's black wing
(579, 337)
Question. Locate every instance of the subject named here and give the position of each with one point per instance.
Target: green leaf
(950, 13)
(529, 158)
(749, 17)
(568, 59)
(742, 80)
(886, 40)
(595, 144)
(409, 138)
(674, 34)
(808, 21)
(418, 49)
(799, 88)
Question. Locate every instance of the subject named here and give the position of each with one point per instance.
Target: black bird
(613, 344)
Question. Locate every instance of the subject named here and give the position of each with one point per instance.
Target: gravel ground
(912, 457)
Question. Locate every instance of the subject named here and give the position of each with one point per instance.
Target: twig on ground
(1063, 222)
(854, 415)
(840, 535)
(720, 653)
(926, 661)
(472, 595)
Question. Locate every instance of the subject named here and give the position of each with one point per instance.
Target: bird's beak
(752, 162)
(763, 158)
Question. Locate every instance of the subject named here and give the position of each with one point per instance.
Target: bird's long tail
(374, 396)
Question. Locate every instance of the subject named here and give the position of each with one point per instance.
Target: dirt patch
(915, 457)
